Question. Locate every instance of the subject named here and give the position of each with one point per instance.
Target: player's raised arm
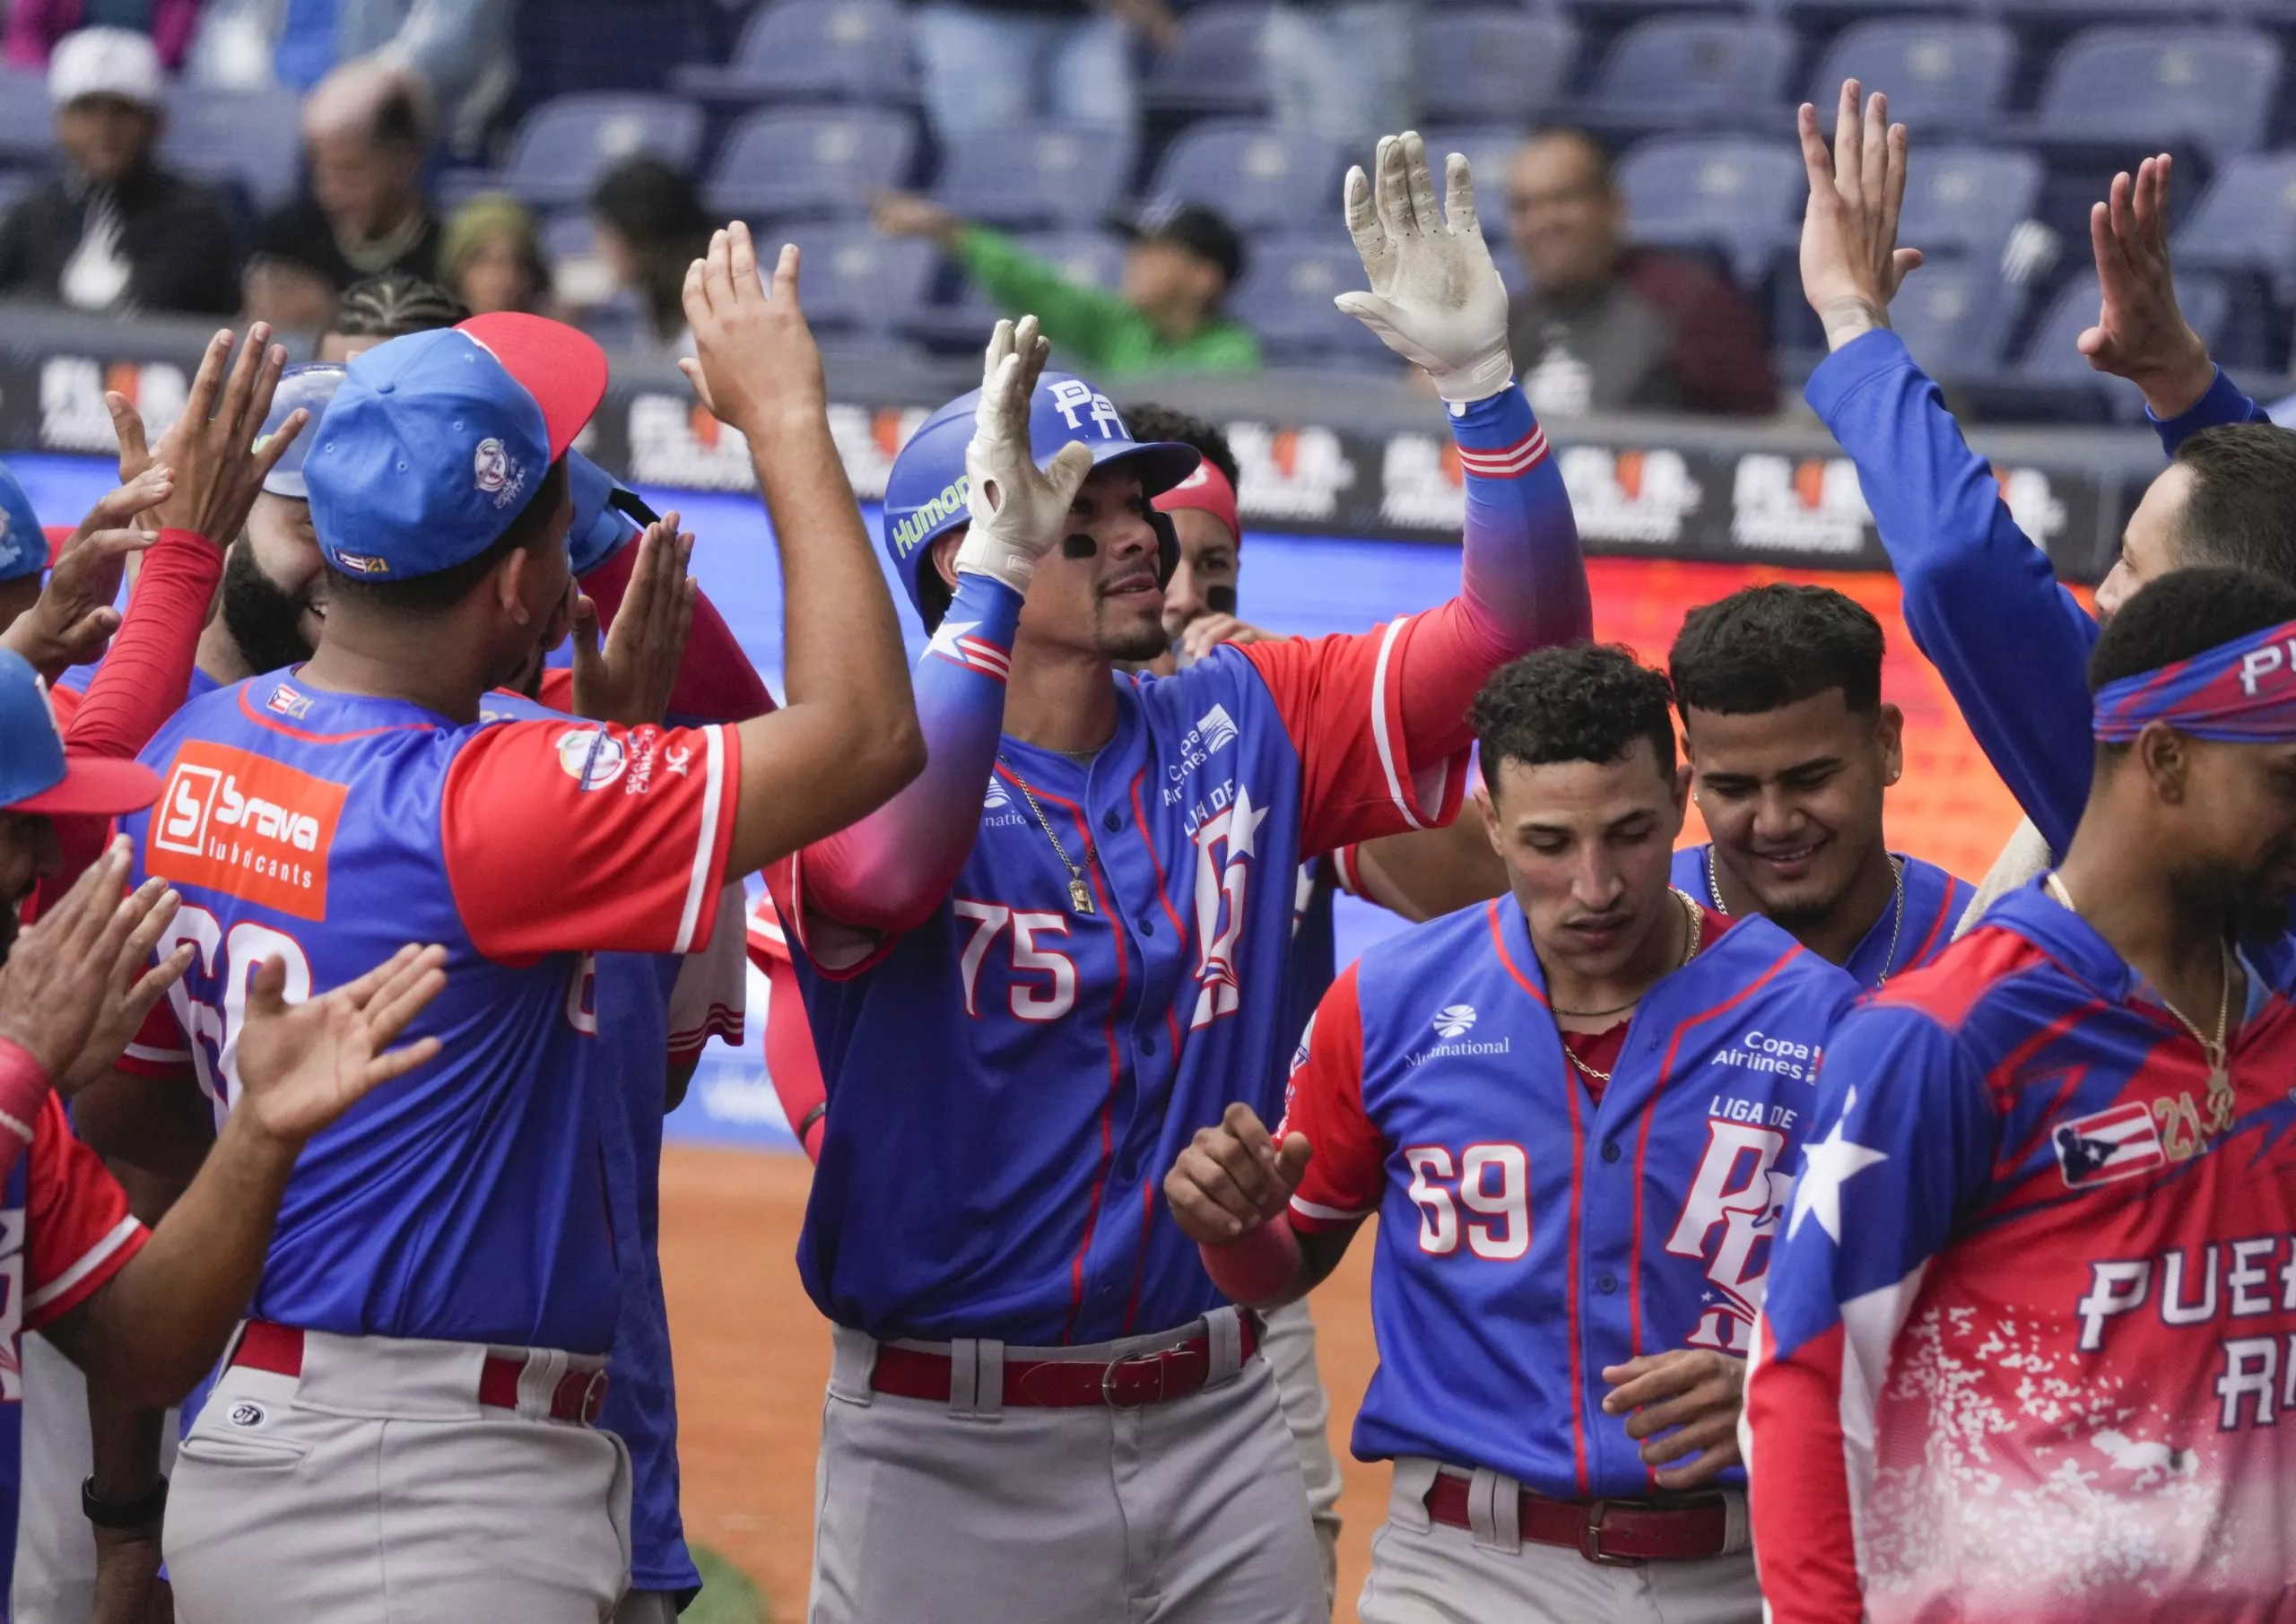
(849, 737)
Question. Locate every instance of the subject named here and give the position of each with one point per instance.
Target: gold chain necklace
(1694, 927)
(1080, 893)
(1897, 907)
(2219, 1077)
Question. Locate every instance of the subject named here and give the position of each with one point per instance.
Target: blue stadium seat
(810, 162)
(1286, 297)
(2246, 222)
(2146, 87)
(1219, 65)
(1942, 73)
(849, 276)
(1036, 175)
(1691, 72)
(27, 123)
(2050, 356)
(1258, 178)
(1965, 202)
(1954, 317)
(817, 50)
(1735, 193)
(564, 145)
(253, 141)
(1491, 63)
(1490, 151)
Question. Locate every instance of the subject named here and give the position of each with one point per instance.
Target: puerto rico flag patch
(2118, 1143)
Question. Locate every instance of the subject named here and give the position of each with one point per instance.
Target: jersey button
(1148, 1043)
(1112, 822)
(1609, 1283)
(1147, 925)
(1611, 1151)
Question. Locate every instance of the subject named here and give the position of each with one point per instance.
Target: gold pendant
(1079, 895)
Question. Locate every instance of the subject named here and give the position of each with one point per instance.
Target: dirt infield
(753, 1357)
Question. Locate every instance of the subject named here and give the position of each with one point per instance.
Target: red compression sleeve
(1258, 1266)
(144, 679)
(22, 1086)
(715, 681)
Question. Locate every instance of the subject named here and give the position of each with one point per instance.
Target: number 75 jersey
(1530, 1236)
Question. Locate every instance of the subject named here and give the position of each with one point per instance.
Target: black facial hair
(265, 622)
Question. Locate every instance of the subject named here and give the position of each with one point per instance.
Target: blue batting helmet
(926, 493)
(311, 386)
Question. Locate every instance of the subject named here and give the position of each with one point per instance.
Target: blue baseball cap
(434, 442)
(35, 774)
(309, 386)
(600, 529)
(23, 544)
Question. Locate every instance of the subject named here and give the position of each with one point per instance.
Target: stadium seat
(1286, 297)
(1954, 317)
(1691, 72)
(1218, 65)
(2246, 222)
(27, 123)
(1258, 178)
(1964, 201)
(2144, 88)
(1494, 63)
(253, 141)
(1942, 73)
(2050, 355)
(816, 50)
(1036, 175)
(810, 162)
(1490, 151)
(564, 145)
(849, 276)
(1735, 193)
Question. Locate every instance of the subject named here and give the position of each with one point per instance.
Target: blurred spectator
(1607, 327)
(383, 307)
(1176, 276)
(1343, 68)
(650, 226)
(35, 27)
(460, 49)
(365, 130)
(491, 258)
(988, 64)
(115, 231)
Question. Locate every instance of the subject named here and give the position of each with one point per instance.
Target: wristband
(24, 1081)
(1259, 1265)
(139, 1512)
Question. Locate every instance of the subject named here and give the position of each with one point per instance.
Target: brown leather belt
(1045, 1384)
(1616, 1533)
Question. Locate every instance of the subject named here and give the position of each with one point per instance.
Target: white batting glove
(1436, 298)
(1018, 509)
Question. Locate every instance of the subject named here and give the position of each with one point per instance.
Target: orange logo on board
(246, 826)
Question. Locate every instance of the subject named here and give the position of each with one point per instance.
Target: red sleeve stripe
(1351, 878)
(91, 1260)
(985, 657)
(723, 1021)
(1379, 734)
(152, 1055)
(699, 883)
(1511, 462)
(22, 1130)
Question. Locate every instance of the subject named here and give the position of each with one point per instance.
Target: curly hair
(1152, 423)
(1586, 702)
(1763, 647)
(393, 305)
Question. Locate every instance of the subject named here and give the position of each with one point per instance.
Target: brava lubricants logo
(245, 825)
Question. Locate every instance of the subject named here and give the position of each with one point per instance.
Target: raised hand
(755, 359)
(302, 1065)
(906, 214)
(130, 985)
(2140, 335)
(1018, 508)
(629, 680)
(1233, 1179)
(211, 449)
(74, 619)
(1436, 298)
(62, 973)
(1851, 264)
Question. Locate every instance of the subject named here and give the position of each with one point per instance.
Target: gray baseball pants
(1290, 1348)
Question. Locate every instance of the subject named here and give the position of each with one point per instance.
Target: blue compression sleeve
(1980, 598)
(2222, 403)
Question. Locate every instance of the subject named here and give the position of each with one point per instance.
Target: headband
(1207, 491)
(2243, 691)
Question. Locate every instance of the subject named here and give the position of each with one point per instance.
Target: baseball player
(1790, 750)
(2026, 1351)
(1044, 966)
(425, 1349)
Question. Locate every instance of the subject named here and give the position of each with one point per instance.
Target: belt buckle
(1590, 1538)
(1159, 1362)
(593, 1397)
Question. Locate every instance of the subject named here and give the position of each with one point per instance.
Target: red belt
(579, 1396)
(1617, 1533)
(1045, 1384)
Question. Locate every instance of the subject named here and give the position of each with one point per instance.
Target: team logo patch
(1218, 728)
(491, 467)
(285, 701)
(591, 756)
(246, 1415)
(1454, 1021)
(2118, 1143)
(246, 826)
(999, 797)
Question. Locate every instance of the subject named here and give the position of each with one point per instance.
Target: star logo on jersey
(591, 756)
(956, 643)
(1454, 1021)
(1218, 729)
(1826, 1166)
(1224, 857)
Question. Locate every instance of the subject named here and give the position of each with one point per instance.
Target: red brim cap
(563, 370)
(58, 534)
(94, 786)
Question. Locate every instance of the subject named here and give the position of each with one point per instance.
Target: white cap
(106, 62)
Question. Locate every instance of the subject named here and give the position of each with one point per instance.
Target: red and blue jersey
(1531, 1235)
(467, 1201)
(2030, 1346)
(1908, 934)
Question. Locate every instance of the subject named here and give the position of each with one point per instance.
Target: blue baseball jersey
(1008, 1082)
(467, 1201)
(1904, 936)
(1530, 1236)
(2028, 1347)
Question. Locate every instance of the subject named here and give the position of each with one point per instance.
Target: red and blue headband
(2243, 691)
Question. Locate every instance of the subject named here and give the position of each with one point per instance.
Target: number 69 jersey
(1529, 1236)
(466, 1202)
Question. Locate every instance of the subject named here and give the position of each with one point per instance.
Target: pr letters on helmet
(1070, 395)
(948, 505)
